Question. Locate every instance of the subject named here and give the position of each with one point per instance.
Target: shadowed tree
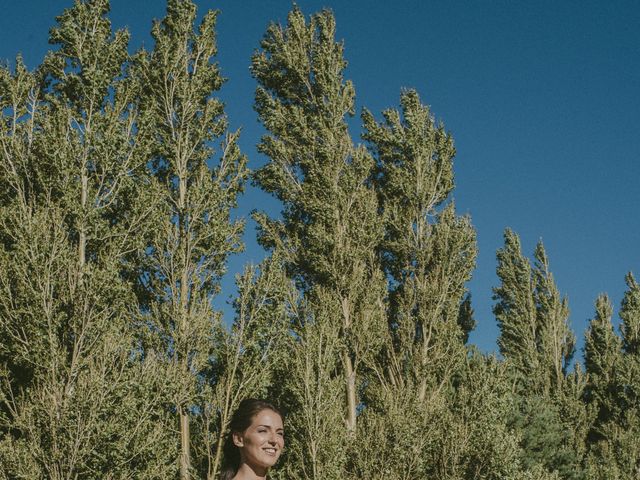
(75, 399)
(627, 446)
(603, 358)
(613, 365)
(630, 316)
(535, 336)
(602, 353)
(538, 344)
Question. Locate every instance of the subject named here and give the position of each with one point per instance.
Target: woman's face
(261, 444)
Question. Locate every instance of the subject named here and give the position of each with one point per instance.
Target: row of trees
(118, 176)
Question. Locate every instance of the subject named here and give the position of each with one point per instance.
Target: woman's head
(256, 437)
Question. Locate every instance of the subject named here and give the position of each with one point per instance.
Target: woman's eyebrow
(270, 426)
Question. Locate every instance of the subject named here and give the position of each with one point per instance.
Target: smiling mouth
(270, 451)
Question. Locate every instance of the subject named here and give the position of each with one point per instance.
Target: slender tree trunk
(350, 377)
(82, 240)
(185, 456)
(214, 465)
(349, 371)
(84, 194)
(213, 469)
(422, 392)
(185, 440)
(426, 341)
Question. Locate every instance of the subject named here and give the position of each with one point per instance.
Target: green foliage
(186, 251)
(428, 253)
(118, 177)
(249, 357)
(429, 260)
(546, 440)
(72, 398)
(477, 442)
(538, 344)
(602, 360)
(612, 391)
(330, 226)
(313, 395)
(534, 331)
(515, 310)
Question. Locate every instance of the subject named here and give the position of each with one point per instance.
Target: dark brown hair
(240, 421)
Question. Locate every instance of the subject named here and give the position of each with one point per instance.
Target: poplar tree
(535, 336)
(516, 311)
(537, 343)
(612, 363)
(602, 353)
(249, 356)
(75, 400)
(603, 358)
(313, 395)
(478, 442)
(329, 228)
(626, 448)
(556, 340)
(630, 316)
(187, 251)
(428, 252)
(118, 177)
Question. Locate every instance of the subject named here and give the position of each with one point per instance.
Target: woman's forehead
(268, 418)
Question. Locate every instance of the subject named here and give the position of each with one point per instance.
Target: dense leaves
(118, 180)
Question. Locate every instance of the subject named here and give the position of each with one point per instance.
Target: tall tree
(535, 336)
(515, 310)
(329, 227)
(603, 356)
(538, 344)
(627, 446)
(187, 252)
(250, 356)
(556, 341)
(613, 365)
(313, 394)
(630, 316)
(75, 399)
(430, 254)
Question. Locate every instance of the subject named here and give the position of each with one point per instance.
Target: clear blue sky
(542, 98)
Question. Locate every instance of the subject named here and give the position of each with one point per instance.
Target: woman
(255, 441)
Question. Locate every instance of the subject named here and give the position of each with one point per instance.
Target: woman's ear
(237, 439)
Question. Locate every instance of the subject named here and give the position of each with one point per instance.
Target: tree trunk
(350, 377)
(349, 370)
(82, 237)
(185, 456)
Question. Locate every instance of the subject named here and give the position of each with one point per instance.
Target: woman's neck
(246, 472)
